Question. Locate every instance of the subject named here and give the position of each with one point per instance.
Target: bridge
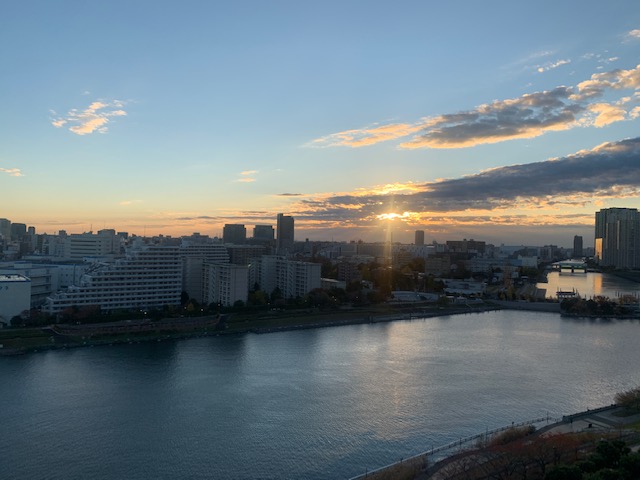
(570, 265)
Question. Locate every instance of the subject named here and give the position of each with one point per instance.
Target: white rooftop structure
(15, 296)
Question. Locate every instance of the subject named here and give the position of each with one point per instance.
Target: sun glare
(393, 216)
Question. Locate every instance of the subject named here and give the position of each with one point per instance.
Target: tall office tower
(617, 237)
(263, 232)
(18, 230)
(5, 228)
(577, 246)
(284, 231)
(234, 233)
(419, 237)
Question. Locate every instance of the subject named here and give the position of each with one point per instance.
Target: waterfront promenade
(439, 463)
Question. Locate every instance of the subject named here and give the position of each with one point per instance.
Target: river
(589, 285)
(315, 404)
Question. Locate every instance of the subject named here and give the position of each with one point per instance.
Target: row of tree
(593, 307)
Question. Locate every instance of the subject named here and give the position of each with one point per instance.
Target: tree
(629, 399)
(564, 472)
(276, 294)
(184, 298)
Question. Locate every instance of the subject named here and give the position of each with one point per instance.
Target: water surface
(317, 404)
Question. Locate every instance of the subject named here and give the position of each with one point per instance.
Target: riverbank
(22, 341)
(61, 336)
(426, 466)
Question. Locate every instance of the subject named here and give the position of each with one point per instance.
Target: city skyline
(493, 121)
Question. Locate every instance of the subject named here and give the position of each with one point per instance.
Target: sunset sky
(509, 122)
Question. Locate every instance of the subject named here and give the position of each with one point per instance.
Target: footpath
(606, 420)
(601, 419)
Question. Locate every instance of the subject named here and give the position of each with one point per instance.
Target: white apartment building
(293, 278)
(194, 256)
(225, 283)
(149, 276)
(15, 296)
(80, 245)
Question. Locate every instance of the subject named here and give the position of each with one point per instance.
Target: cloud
(13, 172)
(552, 65)
(289, 194)
(365, 136)
(528, 116)
(199, 217)
(611, 170)
(126, 203)
(92, 119)
(634, 33)
(606, 114)
(245, 176)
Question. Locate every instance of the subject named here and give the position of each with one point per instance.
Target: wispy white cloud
(13, 172)
(552, 65)
(92, 119)
(126, 203)
(247, 176)
(634, 33)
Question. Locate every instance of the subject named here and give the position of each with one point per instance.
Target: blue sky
(510, 122)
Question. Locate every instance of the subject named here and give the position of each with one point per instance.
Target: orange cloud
(606, 114)
(366, 136)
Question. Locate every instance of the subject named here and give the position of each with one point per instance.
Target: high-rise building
(81, 245)
(225, 283)
(263, 232)
(577, 246)
(149, 276)
(244, 254)
(5, 228)
(234, 233)
(617, 237)
(194, 256)
(419, 237)
(292, 278)
(285, 234)
(18, 230)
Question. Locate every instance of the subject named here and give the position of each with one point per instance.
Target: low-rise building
(15, 296)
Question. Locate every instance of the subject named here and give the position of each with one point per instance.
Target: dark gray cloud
(612, 169)
(525, 117)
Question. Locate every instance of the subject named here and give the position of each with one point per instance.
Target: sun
(393, 216)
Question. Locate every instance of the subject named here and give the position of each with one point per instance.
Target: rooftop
(13, 278)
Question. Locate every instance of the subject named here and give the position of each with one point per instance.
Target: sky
(508, 122)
